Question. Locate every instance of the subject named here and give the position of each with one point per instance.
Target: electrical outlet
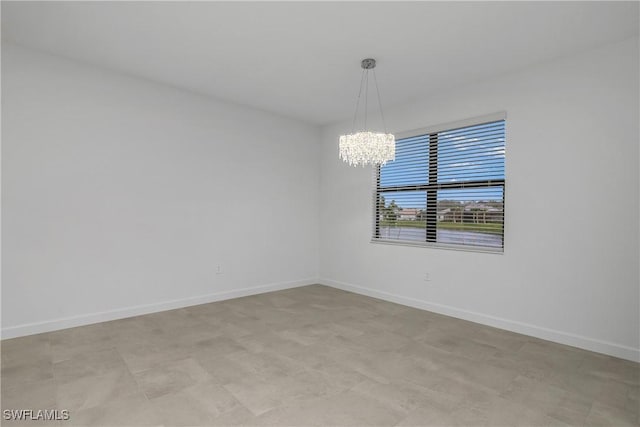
(427, 277)
(219, 269)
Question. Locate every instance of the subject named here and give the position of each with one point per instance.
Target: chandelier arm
(355, 116)
(384, 125)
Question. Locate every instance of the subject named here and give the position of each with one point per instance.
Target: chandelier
(367, 147)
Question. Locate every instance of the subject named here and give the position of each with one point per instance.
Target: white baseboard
(591, 344)
(121, 313)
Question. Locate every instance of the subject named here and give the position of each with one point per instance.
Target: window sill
(497, 251)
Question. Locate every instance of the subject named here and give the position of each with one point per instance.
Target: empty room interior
(320, 213)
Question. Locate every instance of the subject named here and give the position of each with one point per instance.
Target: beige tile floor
(312, 356)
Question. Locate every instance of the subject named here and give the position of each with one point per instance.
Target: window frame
(432, 186)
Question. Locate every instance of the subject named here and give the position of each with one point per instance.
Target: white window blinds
(445, 188)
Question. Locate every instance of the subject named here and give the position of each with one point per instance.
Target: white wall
(122, 196)
(569, 272)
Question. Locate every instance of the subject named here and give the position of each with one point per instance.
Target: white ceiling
(302, 59)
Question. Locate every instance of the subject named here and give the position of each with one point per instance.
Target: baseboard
(87, 319)
(586, 343)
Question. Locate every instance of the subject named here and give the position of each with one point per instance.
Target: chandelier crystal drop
(367, 147)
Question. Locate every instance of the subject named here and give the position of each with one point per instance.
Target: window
(445, 188)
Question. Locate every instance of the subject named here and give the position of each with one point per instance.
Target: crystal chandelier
(366, 147)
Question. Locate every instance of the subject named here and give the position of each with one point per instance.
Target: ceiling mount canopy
(367, 147)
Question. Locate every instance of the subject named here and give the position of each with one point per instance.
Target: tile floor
(312, 356)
